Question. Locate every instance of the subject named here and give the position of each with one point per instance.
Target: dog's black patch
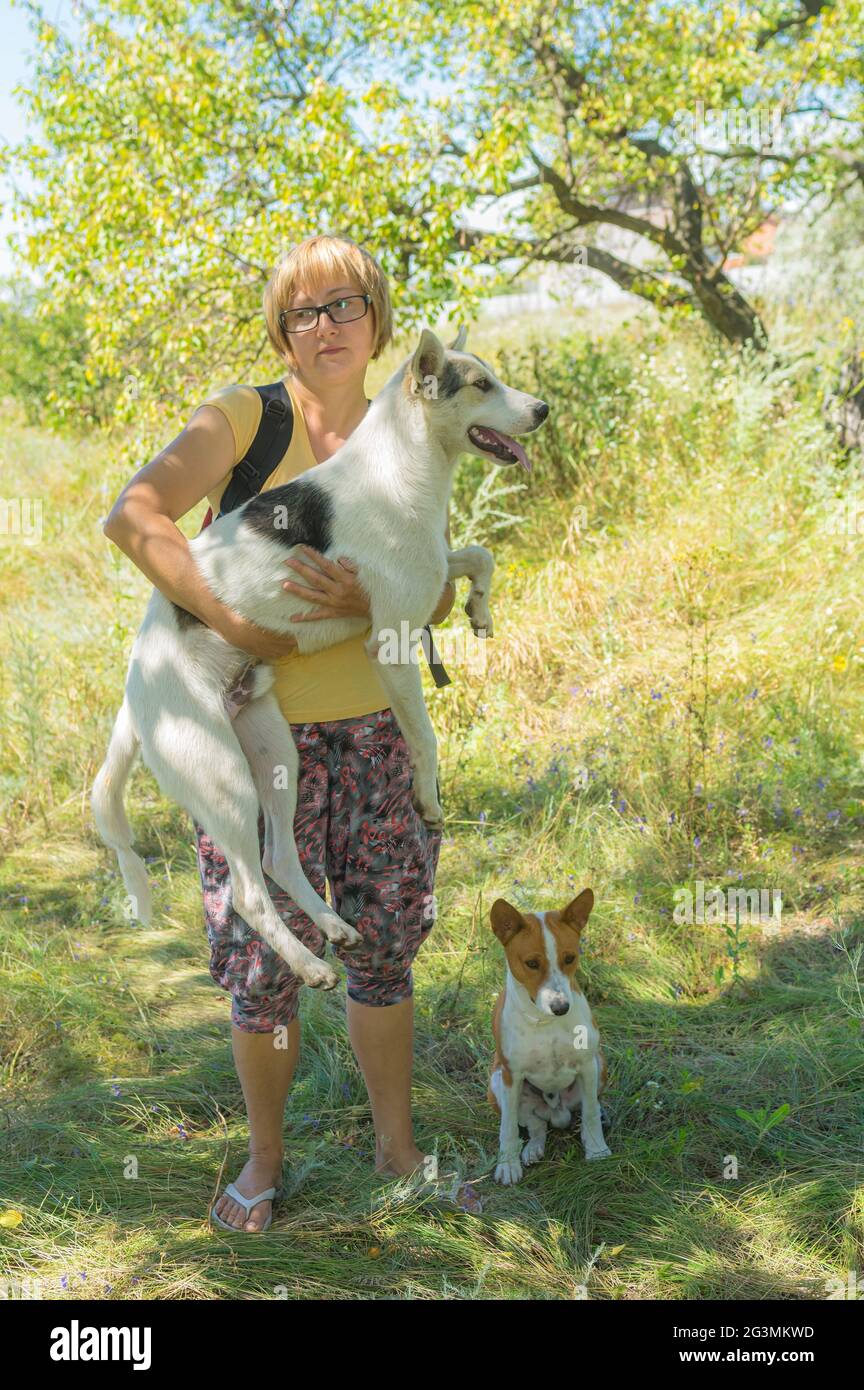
(295, 513)
(184, 618)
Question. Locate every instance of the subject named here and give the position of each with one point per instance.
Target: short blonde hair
(332, 256)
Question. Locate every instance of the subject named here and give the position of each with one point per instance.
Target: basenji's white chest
(552, 1069)
(550, 1051)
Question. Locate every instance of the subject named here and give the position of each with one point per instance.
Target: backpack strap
(266, 451)
(436, 665)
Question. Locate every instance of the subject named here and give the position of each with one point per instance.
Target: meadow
(672, 697)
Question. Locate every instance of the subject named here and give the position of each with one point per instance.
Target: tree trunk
(725, 307)
(844, 409)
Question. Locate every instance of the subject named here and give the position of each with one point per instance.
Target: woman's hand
(333, 586)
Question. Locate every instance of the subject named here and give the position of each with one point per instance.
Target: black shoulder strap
(268, 448)
(436, 665)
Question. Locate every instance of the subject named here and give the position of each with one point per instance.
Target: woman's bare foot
(397, 1164)
(263, 1170)
(425, 1166)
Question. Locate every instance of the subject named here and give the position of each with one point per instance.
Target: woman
(355, 822)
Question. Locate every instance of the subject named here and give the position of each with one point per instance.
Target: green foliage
(179, 150)
(701, 574)
(43, 358)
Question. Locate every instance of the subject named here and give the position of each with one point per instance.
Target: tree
(683, 124)
(182, 146)
(43, 348)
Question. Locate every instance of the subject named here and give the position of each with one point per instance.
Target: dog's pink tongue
(515, 447)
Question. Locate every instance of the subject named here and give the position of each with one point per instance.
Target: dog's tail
(106, 801)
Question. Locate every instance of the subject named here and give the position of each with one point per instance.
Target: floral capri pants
(356, 825)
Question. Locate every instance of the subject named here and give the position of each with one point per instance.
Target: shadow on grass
(114, 1173)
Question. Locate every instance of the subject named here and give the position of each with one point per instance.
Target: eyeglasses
(338, 311)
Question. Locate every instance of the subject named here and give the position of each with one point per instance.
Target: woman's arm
(142, 524)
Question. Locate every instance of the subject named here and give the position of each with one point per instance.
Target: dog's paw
(479, 617)
(431, 812)
(533, 1151)
(509, 1171)
(592, 1154)
(337, 932)
(319, 975)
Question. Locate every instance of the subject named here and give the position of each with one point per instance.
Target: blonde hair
(326, 255)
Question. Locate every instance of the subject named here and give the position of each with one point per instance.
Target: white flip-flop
(269, 1194)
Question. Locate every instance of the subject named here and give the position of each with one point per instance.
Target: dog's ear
(577, 912)
(428, 360)
(506, 920)
(461, 339)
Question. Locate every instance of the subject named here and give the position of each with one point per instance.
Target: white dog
(381, 500)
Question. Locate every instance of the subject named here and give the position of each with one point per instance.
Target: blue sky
(16, 41)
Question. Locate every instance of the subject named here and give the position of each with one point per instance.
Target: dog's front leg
(509, 1169)
(477, 563)
(404, 688)
(593, 1142)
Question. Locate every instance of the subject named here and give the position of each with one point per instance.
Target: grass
(672, 696)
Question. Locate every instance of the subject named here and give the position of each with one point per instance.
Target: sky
(15, 40)
(17, 45)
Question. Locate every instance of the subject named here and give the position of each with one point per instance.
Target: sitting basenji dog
(548, 1057)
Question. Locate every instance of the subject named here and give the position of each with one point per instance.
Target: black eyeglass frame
(324, 309)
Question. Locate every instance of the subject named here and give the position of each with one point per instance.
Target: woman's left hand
(333, 586)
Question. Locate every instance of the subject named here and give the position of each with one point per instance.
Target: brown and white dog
(548, 1057)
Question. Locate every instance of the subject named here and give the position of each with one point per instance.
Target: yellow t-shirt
(341, 682)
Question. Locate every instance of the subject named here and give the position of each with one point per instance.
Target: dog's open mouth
(498, 445)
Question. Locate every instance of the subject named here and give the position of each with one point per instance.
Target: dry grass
(615, 738)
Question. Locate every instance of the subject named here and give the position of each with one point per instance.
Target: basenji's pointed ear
(461, 339)
(577, 912)
(428, 361)
(506, 920)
